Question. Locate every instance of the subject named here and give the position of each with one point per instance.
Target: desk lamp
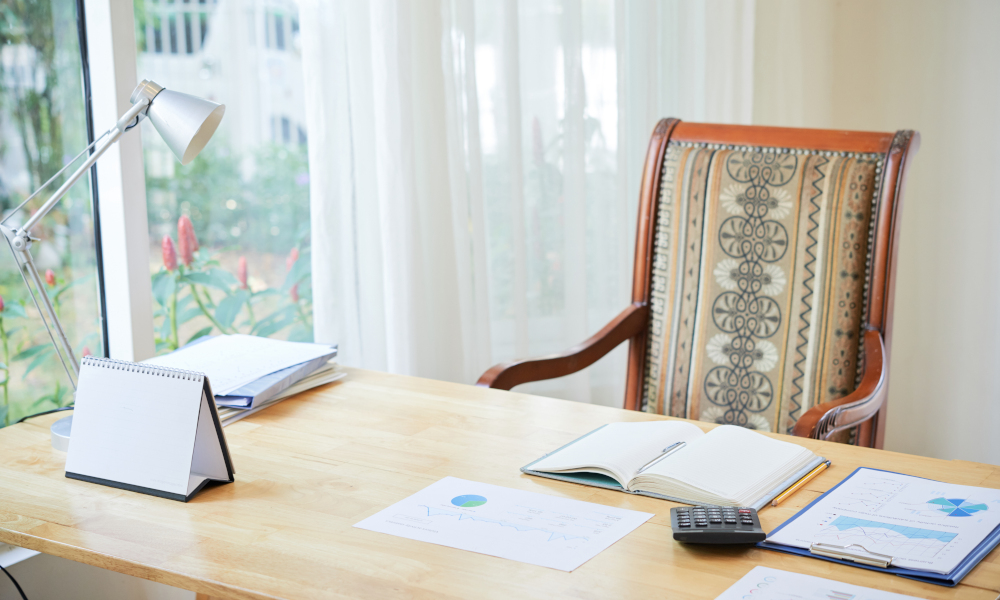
(185, 123)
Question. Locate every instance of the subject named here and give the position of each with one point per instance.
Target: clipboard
(859, 556)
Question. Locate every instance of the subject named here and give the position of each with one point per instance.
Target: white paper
(232, 361)
(135, 428)
(922, 524)
(533, 528)
(764, 583)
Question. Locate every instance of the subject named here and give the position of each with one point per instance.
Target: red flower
(186, 241)
(1, 304)
(50, 278)
(169, 253)
(241, 272)
(294, 293)
(292, 257)
(86, 351)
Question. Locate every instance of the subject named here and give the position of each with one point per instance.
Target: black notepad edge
(143, 490)
(575, 478)
(207, 389)
(946, 579)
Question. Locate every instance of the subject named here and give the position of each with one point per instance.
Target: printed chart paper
(763, 583)
(523, 526)
(922, 524)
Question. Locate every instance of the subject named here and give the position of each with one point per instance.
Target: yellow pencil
(798, 484)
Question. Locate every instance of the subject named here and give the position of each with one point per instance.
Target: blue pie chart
(468, 501)
(958, 507)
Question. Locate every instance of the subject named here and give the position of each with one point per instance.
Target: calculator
(716, 525)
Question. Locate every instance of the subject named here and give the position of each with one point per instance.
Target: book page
(731, 462)
(621, 449)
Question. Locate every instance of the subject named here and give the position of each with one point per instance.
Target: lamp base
(60, 431)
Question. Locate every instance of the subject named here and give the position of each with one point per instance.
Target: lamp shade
(185, 122)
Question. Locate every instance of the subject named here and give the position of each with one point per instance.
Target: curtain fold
(475, 169)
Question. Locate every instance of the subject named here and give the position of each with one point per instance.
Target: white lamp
(185, 123)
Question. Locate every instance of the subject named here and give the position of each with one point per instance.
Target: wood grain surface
(312, 466)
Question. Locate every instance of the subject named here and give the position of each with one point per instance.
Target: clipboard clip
(854, 552)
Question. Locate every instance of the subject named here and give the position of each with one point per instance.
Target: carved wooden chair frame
(865, 407)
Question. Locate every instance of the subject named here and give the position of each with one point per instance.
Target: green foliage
(41, 99)
(202, 291)
(270, 206)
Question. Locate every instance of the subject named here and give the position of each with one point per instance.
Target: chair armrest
(629, 323)
(826, 419)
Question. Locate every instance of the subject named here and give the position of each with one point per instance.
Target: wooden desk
(313, 466)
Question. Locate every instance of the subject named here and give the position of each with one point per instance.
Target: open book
(728, 466)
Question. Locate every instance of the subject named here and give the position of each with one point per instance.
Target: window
(279, 32)
(43, 124)
(246, 197)
(187, 27)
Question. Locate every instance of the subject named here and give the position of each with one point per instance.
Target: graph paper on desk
(765, 583)
(539, 529)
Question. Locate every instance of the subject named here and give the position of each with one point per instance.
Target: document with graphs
(765, 583)
(923, 525)
(524, 526)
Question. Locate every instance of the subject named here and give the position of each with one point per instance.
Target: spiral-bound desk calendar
(146, 429)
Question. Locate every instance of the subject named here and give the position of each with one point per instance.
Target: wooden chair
(763, 283)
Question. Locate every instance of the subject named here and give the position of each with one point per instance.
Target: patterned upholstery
(759, 284)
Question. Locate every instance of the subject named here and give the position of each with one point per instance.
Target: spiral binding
(142, 368)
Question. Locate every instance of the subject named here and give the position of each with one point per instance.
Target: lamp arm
(20, 241)
(123, 125)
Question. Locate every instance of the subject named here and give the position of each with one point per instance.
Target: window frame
(120, 183)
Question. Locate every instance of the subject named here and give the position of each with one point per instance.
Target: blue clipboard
(946, 579)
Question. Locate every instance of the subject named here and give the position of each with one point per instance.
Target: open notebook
(728, 466)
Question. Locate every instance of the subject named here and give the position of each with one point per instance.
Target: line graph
(871, 494)
(899, 541)
(553, 535)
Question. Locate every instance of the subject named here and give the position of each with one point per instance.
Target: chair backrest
(763, 253)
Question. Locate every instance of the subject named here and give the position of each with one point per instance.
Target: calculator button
(730, 521)
(683, 524)
(715, 521)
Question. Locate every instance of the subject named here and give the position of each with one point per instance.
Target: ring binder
(142, 368)
(873, 559)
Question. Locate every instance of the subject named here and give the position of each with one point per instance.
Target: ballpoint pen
(666, 452)
(801, 482)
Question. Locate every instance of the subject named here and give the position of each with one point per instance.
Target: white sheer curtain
(475, 169)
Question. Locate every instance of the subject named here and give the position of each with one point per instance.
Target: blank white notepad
(146, 429)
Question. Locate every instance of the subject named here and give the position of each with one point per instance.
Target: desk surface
(311, 467)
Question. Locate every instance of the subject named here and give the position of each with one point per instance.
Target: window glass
(229, 231)
(42, 126)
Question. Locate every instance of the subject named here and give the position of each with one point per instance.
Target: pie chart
(468, 501)
(957, 507)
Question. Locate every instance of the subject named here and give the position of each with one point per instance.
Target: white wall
(931, 66)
